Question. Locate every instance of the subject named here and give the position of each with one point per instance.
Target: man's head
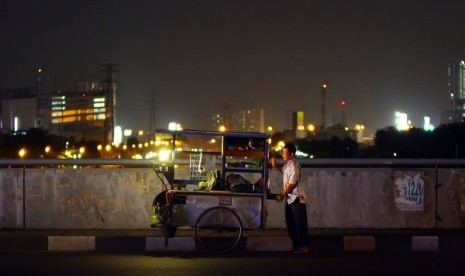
(288, 152)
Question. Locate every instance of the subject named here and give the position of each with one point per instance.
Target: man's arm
(288, 189)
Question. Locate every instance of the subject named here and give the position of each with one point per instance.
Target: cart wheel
(219, 228)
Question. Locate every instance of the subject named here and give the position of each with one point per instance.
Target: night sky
(199, 56)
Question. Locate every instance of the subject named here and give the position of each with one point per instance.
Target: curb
(346, 243)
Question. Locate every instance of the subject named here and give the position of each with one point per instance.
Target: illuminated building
(298, 124)
(88, 112)
(400, 121)
(456, 76)
(78, 114)
(248, 120)
(218, 120)
(427, 124)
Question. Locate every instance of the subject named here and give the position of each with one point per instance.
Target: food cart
(217, 184)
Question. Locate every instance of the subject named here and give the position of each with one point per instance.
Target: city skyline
(378, 56)
(243, 119)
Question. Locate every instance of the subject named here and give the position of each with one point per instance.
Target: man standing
(294, 194)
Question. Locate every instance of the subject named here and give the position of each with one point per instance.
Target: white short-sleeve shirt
(292, 174)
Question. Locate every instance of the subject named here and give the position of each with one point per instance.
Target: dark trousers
(297, 225)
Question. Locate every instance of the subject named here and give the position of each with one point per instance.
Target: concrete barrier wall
(363, 198)
(381, 198)
(78, 198)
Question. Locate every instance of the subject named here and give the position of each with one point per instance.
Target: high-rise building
(298, 124)
(247, 120)
(87, 113)
(218, 120)
(80, 115)
(456, 76)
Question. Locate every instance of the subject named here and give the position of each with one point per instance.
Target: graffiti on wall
(409, 192)
(90, 198)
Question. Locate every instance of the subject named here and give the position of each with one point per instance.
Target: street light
(311, 128)
(22, 153)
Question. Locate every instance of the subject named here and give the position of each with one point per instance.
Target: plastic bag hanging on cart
(159, 203)
(214, 180)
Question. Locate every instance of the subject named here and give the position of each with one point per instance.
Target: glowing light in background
(359, 128)
(22, 153)
(164, 155)
(427, 124)
(400, 121)
(311, 127)
(16, 123)
(174, 126)
(118, 137)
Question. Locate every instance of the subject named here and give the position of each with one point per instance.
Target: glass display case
(188, 158)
